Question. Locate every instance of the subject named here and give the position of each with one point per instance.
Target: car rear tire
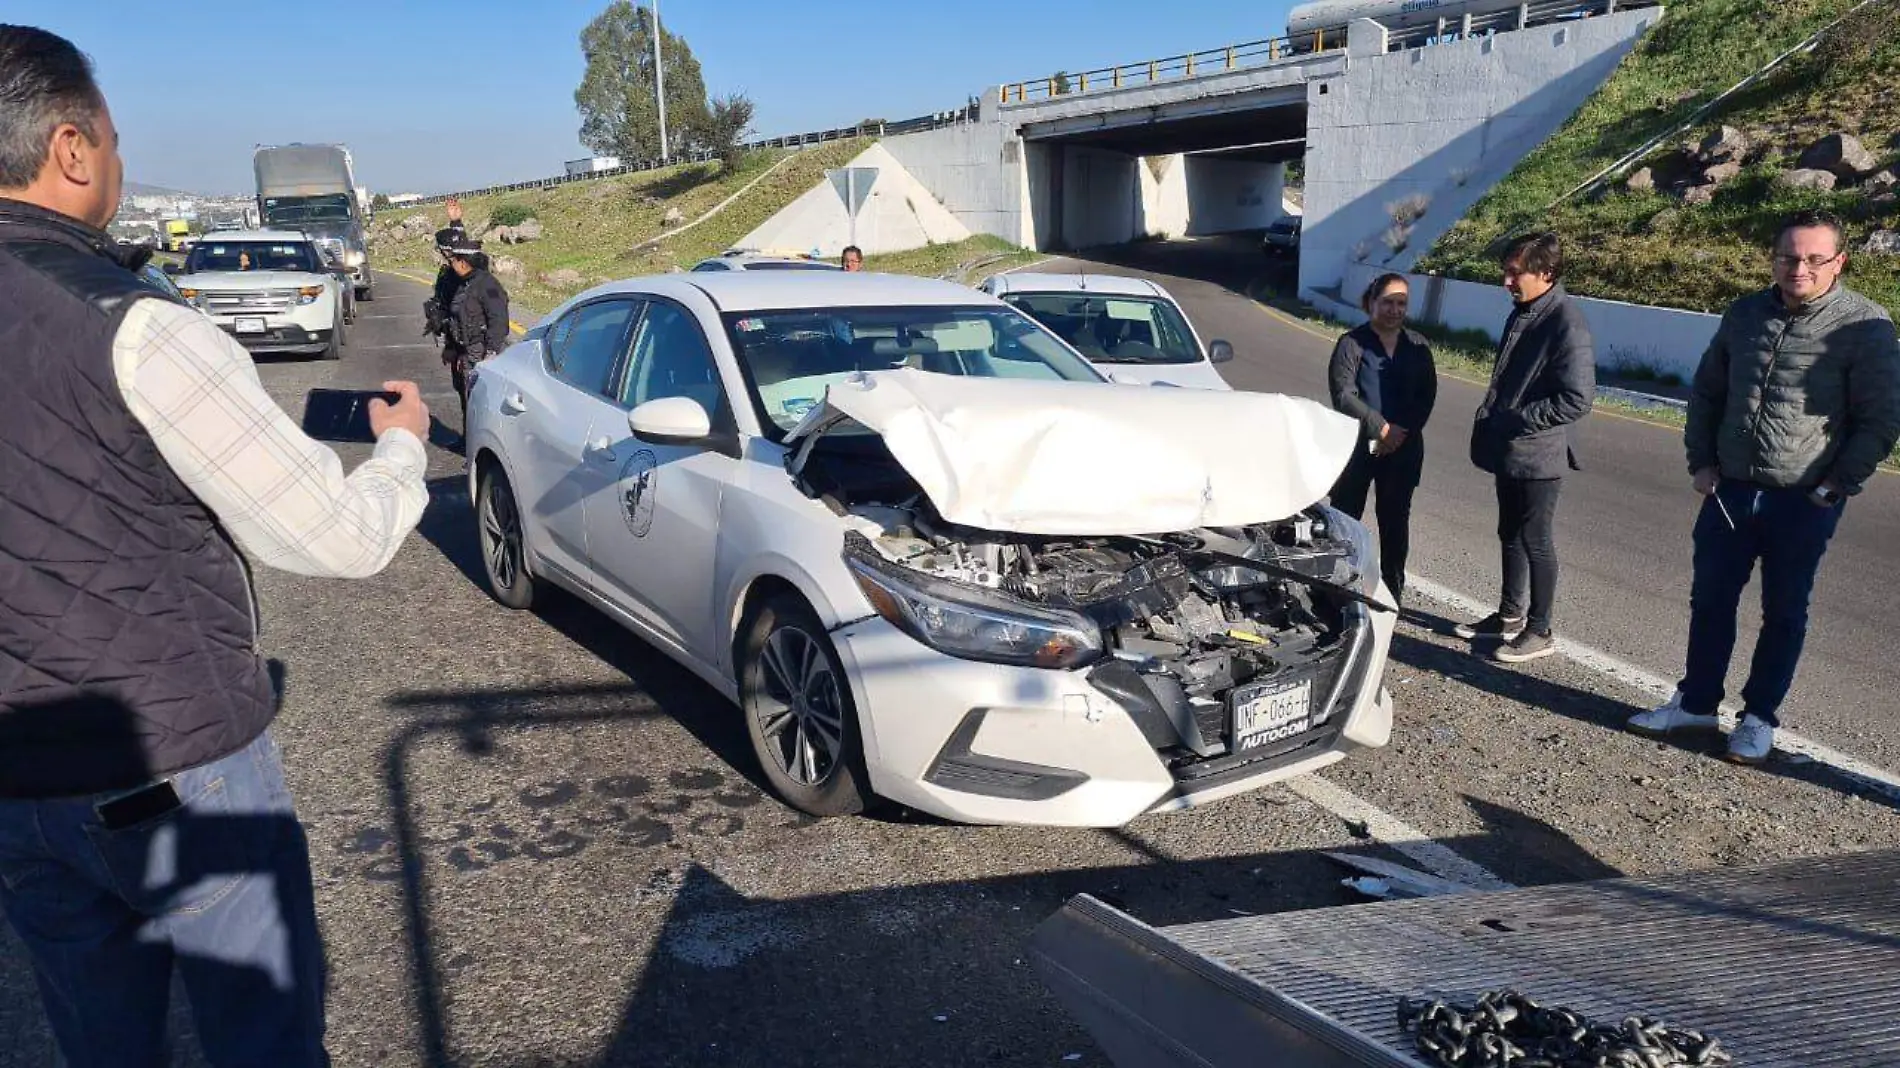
(504, 544)
(799, 712)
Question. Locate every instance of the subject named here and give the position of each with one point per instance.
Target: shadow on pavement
(916, 975)
(1477, 669)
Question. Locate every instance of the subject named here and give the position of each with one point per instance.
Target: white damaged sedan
(932, 556)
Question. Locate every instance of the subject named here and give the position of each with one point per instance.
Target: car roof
(742, 291)
(256, 235)
(1109, 284)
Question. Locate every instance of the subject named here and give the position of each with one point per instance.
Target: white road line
(1387, 829)
(1873, 778)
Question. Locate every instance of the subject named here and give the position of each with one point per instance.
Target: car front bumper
(279, 335)
(988, 743)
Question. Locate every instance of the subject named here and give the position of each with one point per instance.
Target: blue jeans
(219, 885)
(1788, 534)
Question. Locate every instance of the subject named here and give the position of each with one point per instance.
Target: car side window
(584, 347)
(711, 265)
(672, 359)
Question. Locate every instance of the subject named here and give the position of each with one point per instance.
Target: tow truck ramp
(1795, 965)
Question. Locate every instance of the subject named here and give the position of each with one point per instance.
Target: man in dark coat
(1544, 381)
(1795, 403)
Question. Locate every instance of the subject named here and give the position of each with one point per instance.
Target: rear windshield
(211, 255)
(1113, 329)
(791, 357)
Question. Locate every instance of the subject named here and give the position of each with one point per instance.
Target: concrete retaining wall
(1164, 196)
(1228, 195)
(976, 170)
(1446, 121)
(1628, 336)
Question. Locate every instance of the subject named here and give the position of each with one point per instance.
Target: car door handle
(600, 449)
(512, 404)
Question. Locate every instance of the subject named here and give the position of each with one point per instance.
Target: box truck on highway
(313, 188)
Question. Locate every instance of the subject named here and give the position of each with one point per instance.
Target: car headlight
(970, 622)
(353, 258)
(309, 294)
(1364, 556)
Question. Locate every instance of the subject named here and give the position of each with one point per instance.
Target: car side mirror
(670, 421)
(1219, 351)
(169, 267)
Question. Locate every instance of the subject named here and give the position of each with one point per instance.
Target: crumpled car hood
(1086, 459)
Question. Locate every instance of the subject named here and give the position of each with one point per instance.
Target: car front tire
(334, 350)
(503, 541)
(799, 712)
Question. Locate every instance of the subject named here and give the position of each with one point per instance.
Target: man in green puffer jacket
(1795, 404)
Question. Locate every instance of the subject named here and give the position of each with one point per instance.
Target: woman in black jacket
(1383, 375)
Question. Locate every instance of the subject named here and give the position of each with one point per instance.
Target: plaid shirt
(282, 496)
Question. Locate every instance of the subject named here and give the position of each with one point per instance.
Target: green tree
(619, 116)
(1062, 82)
(728, 121)
(379, 201)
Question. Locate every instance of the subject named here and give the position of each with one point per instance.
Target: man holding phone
(144, 816)
(1795, 403)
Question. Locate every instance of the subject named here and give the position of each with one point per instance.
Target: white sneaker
(1750, 742)
(1668, 718)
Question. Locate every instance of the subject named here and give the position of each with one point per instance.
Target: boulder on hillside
(1882, 243)
(1725, 145)
(1663, 221)
(529, 230)
(1643, 181)
(565, 278)
(1841, 155)
(1698, 194)
(1883, 181)
(1805, 178)
(1722, 172)
(508, 267)
(673, 217)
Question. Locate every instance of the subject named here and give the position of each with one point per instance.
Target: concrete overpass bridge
(1198, 144)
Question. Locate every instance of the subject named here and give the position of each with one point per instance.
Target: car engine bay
(1196, 626)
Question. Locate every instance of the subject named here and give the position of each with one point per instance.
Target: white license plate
(1269, 712)
(248, 325)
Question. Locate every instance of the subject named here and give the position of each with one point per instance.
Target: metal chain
(1505, 1029)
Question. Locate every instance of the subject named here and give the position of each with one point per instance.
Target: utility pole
(659, 80)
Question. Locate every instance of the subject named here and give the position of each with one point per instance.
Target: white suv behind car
(269, 289)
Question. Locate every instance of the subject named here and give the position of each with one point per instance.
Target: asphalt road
(1623, 522)
(538, 843)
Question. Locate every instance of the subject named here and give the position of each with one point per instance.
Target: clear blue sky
(430, 94)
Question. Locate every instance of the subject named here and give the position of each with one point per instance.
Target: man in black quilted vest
(144, 818)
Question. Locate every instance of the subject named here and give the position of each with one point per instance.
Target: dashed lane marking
(1389, 830)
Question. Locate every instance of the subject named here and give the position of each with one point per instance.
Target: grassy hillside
(606, 229)
(1650, 247)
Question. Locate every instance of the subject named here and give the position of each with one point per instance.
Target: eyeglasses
(1789, 263)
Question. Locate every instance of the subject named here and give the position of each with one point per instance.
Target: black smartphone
(341, 414)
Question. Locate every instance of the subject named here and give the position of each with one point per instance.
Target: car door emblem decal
(636, 491)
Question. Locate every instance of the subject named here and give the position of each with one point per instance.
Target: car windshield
(790, 357)
(212, 255)
(786, 265)
(333, 207)
(1113, 329)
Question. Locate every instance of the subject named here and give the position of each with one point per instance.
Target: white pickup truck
(270, 289)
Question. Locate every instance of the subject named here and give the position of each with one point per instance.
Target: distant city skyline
(443, 96)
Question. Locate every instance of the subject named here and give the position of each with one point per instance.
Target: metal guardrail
(1241, 56)
(802, 140)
